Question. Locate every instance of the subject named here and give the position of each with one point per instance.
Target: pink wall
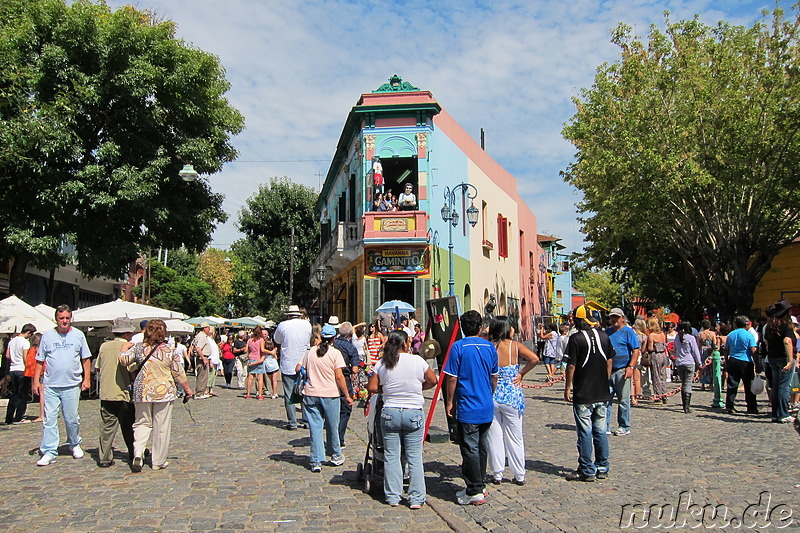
(507, 182)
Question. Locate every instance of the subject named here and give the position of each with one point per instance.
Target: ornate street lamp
(450, 214)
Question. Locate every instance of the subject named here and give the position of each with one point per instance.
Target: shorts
(270, 365)
(549, 360)
(256, 369)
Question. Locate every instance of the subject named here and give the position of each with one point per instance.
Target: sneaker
(274, 396)
(609, 433)
(519, 482)
(415, 506)
(786, 420)
(136, 465)
(582, 477)
(77, 453)
(497, 480)
(106, 465)
(475, 499)
(289, 427)
(337, 460)
(161, 467)
(46, 459)
(602, 474)
(316, 467)
(621, 432)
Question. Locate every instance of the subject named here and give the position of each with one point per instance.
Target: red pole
(439, 383)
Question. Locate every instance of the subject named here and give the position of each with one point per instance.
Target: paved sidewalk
(235, 469)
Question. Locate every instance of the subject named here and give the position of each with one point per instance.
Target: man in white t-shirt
(18, 399)
(293, 336)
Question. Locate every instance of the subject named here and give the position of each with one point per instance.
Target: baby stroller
(371, 470)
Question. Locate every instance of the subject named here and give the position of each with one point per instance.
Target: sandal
(246, 396)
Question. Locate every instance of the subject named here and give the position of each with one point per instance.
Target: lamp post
(188, 173)
(450, 215)
(321, 279)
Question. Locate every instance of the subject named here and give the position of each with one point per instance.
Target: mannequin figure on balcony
(407, 201)
(377, 175)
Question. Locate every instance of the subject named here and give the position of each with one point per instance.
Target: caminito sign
(397, 260)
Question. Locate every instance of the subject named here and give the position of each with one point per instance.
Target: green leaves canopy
(266, 221)
(688, 157)
(98, 112)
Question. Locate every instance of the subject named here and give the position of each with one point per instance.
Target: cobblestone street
(233, 468)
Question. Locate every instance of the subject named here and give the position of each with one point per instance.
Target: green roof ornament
(395, 84)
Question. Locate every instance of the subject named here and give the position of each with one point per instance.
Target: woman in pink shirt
(255, 366)
(325, 385)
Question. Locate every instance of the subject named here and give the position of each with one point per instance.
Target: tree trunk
(16, 282)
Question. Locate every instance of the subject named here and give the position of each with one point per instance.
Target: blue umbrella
(396, 307)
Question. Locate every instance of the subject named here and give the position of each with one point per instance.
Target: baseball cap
(583, 312)
(616, 312)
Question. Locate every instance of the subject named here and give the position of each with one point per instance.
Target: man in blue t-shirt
(740, 365)
(471, 377)
(626, 346)
(65, 356)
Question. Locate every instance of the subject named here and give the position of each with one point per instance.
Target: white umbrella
(46, 310)
(14, 313)
(178, 327)
(212, 320)
(104, 314)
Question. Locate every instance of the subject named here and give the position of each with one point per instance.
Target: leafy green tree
(185, 293)
(687, 158)
(99, 109)
(266, 221)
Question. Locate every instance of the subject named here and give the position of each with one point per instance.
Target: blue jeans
(288, 385)
(619, 386)
(403, 430)
(64, 399)
(781, 380)
(590, 421)
(322, 412)
(474, 445)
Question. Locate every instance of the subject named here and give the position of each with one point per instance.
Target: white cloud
(296, 69)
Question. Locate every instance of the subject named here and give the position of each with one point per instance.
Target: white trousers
(152, 420)
(506, 440)
(241, 372)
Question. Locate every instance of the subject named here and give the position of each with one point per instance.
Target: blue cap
(328, 331)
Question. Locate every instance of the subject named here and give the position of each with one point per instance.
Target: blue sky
(510, 67)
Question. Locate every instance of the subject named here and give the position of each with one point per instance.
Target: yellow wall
(490, 272)
(782, 281)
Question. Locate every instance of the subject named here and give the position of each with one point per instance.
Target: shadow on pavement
(548, 468)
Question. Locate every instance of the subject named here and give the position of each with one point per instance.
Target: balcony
(390, 226)
(342, 248)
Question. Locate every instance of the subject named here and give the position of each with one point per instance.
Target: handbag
(135, 373)
(646, 359)
(300, 380)
(757, 385)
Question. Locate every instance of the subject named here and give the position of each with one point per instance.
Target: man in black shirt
(589, 361)
(240, 351)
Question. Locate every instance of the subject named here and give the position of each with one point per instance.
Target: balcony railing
(391, 225)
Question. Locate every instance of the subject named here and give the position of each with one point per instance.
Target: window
(502, 236)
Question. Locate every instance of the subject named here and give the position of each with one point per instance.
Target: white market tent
(178, 327)
(14, 313)
(46, 310)
(103, 315)
(212, 320)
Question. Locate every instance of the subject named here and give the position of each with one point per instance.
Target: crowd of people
(326, 368)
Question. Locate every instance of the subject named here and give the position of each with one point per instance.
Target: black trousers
(19, 389)
(739, 370)
(474, 444)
